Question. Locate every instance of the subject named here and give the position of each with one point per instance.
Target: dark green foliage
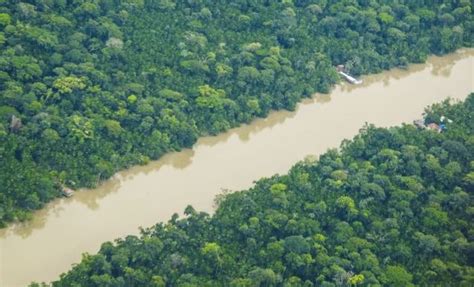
(101, 85)
(393, 207)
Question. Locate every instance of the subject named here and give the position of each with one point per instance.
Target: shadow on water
(439, 66)
(442, 66)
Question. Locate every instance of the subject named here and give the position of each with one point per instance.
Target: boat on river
(341, 70)
(350, 79)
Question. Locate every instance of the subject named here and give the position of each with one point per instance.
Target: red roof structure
(68, 192)
(434, 127)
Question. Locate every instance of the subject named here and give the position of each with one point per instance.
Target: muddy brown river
(41, 249)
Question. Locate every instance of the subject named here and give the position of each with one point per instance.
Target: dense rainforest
(391, 207)
(88, 87)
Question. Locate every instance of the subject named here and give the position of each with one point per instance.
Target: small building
(15, 124)
(420, 123)
(67, 192)
(434, 127)
(340, 68)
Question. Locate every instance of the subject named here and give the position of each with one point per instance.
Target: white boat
(350, 79)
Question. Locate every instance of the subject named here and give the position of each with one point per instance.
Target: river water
(41, 249)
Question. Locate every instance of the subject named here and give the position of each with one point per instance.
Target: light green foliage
(81, 128)
(254, 105)
(223, 70)
(66, 85)
(356, 280)
(339, 175)
(113, 127)
(211, 249)
(386, 18)
(5, 19)
(166, 4)
(209, 97)
(171, 95)
(132, 99)
(397, 276)
(278, 188)
(345, 202)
